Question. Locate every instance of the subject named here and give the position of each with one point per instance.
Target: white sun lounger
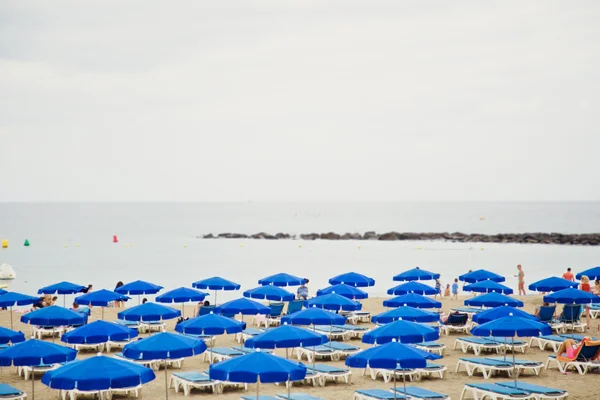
(116, 344)
(412, 393)
(27, 372)
(431, 347)
(493, 391)
(331, 373)
(477, 345)
(298, 396)
(317, 352)
(72, 394)
(248, 333)
(522, 365)
(552, 341)
(312, 378)
(152, 364)
(193, 380)
(333, 332)
(157, 326)
(509, 345)
(8, 392)
(39, 332)
(359, 316)
(353, 330)
(490, 366)
(97, 347)
(415, 374)
(218, 354)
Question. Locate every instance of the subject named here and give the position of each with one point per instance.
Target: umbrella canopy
(406, 313)
(181, 295)
(216, 283)
(53, 316)
(257, 367)
(412, 300)
(99, 332)
(480, 275)
(242, 306)
(572, 296)
(511, 326)
(412, 287)
(9, 336)
(334, 302)
(401, 331)
(35, 352)
(100, 298)
(500, 312)
(164, 346)
(592, 273)
(11, 299)
(488, 286)
(98, 373)
(282, 279)
(392, 355)
(313, 316)
(552, 284)
(139, 288)
(342, 289)
(416, 274)
(352, 279)
(210, 324)
(269, 292)
(286, 336)
(149, 312)
(61, 288)
(493, 300)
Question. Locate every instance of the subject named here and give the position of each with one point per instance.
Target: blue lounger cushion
(421, 393)
(507, 341)
(321, 349)
(351, 327)
(553, 338)
(517, 361)
(380, 394)
(7, 390)
(298, 396)
(261, 397)
(329, 328)
(227, 351)
(487, 361)
(253, 331)
(528, 387)
(326, 368)
(477, 340)
(340, 346)
(192, 376)
(430, 344)
(127, 323)
(247, 350)
(495, 388)
(575, 336)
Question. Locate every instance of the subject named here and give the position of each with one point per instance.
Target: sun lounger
(298, 396)
(204, 310)
(487, 367)
(521, 364)
(467, 310)
(130, 324)
(247, 350)
(358, 316)
(73, 393)
(39, 332)
(8, 392)
(274, 318)
(343, 349)
(152, 326)
(431, 347)
(594, 310)
(116, 344)
(332, 332)
(546, 314)
(97, 347)
(570, 317)
(208, 339)
(218, 354)
(261, 397)
(193, 380)
(493, 391)
(248, 333)
(417, 393)
(312, 378)
(583, 361)
(153, 364)
(376, 394)
(540, 392)
(458, 322)
(509, 345)
(354, 331)
(552, 341)
(27, 372)
(477, 345)
(317, 352)
(413, 374)
(329, 372)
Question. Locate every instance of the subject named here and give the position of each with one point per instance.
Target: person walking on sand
(438, 287)
(454, 290)
(521, 276)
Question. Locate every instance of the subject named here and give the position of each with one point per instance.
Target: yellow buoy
(185, 246)
(300, 246)
(66, 245)
(241, 244)
(77, 245)
(358, 247)
(482, 248)
(4, 243)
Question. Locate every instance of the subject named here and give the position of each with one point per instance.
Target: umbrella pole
(32, 383)
(314, 347)
(11, 324)
(512, 340)
(286, 355)
(395, 385)
(215, 297)
(257, 385)
(212, 340)
(166, 382)
(504, 348)
(64, 300)
(404, 382)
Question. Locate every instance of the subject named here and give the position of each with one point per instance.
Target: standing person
(521, 276)
(596, 288)
(586, 287)
(438, 287)
(119, 303)
(569, 275)
(455, 290)
(302, 292)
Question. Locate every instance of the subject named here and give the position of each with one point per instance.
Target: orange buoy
(115, 239)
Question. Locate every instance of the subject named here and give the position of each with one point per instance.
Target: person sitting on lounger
(537, 309)
(302, 292)
(596, 288)
(570, 348)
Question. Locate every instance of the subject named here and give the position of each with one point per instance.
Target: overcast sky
(307, 100)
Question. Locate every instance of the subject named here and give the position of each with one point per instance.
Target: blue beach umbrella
(2, 291)
(352, 279)
(11, 299)
(282, 279)
(333, 302)
(181, 295)
(480, 275)
(98, 332)
(164, 346)
(412, 287)
(416, 274)
(406, 313)
(500, 312)
(101, 298)
(592, 273)
(552, 284)
(9, 336)
(53, 316)
(313, 316)
(286, 336)
(258, 367)
(139, 288)
(342, 289)
(268, 292)
(401, 331)
(98, 373)
(412, 300)
(216, 283)
(63, 288)
(33, 353)
(149, 312)
(242, 306)
(488, 286)
(571, 296)
(493, 300)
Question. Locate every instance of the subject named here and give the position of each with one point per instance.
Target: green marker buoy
(26, 244)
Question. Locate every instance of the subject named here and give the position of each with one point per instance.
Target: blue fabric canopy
(333, 302)
(35, 352)
(552, 284)
(406, 313)
(209, 324)
(61, 288)
(488, 286)
(100, 298)
(592, 273)
(352, 279)
(98, 373)
(412, 287)
(286, 336)
(480, 275)
(164, 346)
(149, 312)
(216, 283)
(10, 336)
(493, 300)
(282, 279)
(11, 299)
(342, 289)
(256, 366)
(99, 332)
(412, 300)
(139, 288)
(242, 306)
(401, 331)
(572, 296)
(511, 326)
(181, 295)
(313, 315)
(269, 292)
(392, 355)
(416, 274)
(53, 316)
(500, 312)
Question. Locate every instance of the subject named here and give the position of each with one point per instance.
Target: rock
(209, 236)
(351, 236)
(309, 236)
(263, 235)
(389, 236)
(232, 235)
(370, 235)
(280, 235)
(330, 236)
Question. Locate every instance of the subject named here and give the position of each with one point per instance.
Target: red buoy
(115, 239)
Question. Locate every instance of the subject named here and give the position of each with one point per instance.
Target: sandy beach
(579, 387)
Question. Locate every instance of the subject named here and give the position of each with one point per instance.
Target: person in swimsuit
(521, 276)
(586, 287)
